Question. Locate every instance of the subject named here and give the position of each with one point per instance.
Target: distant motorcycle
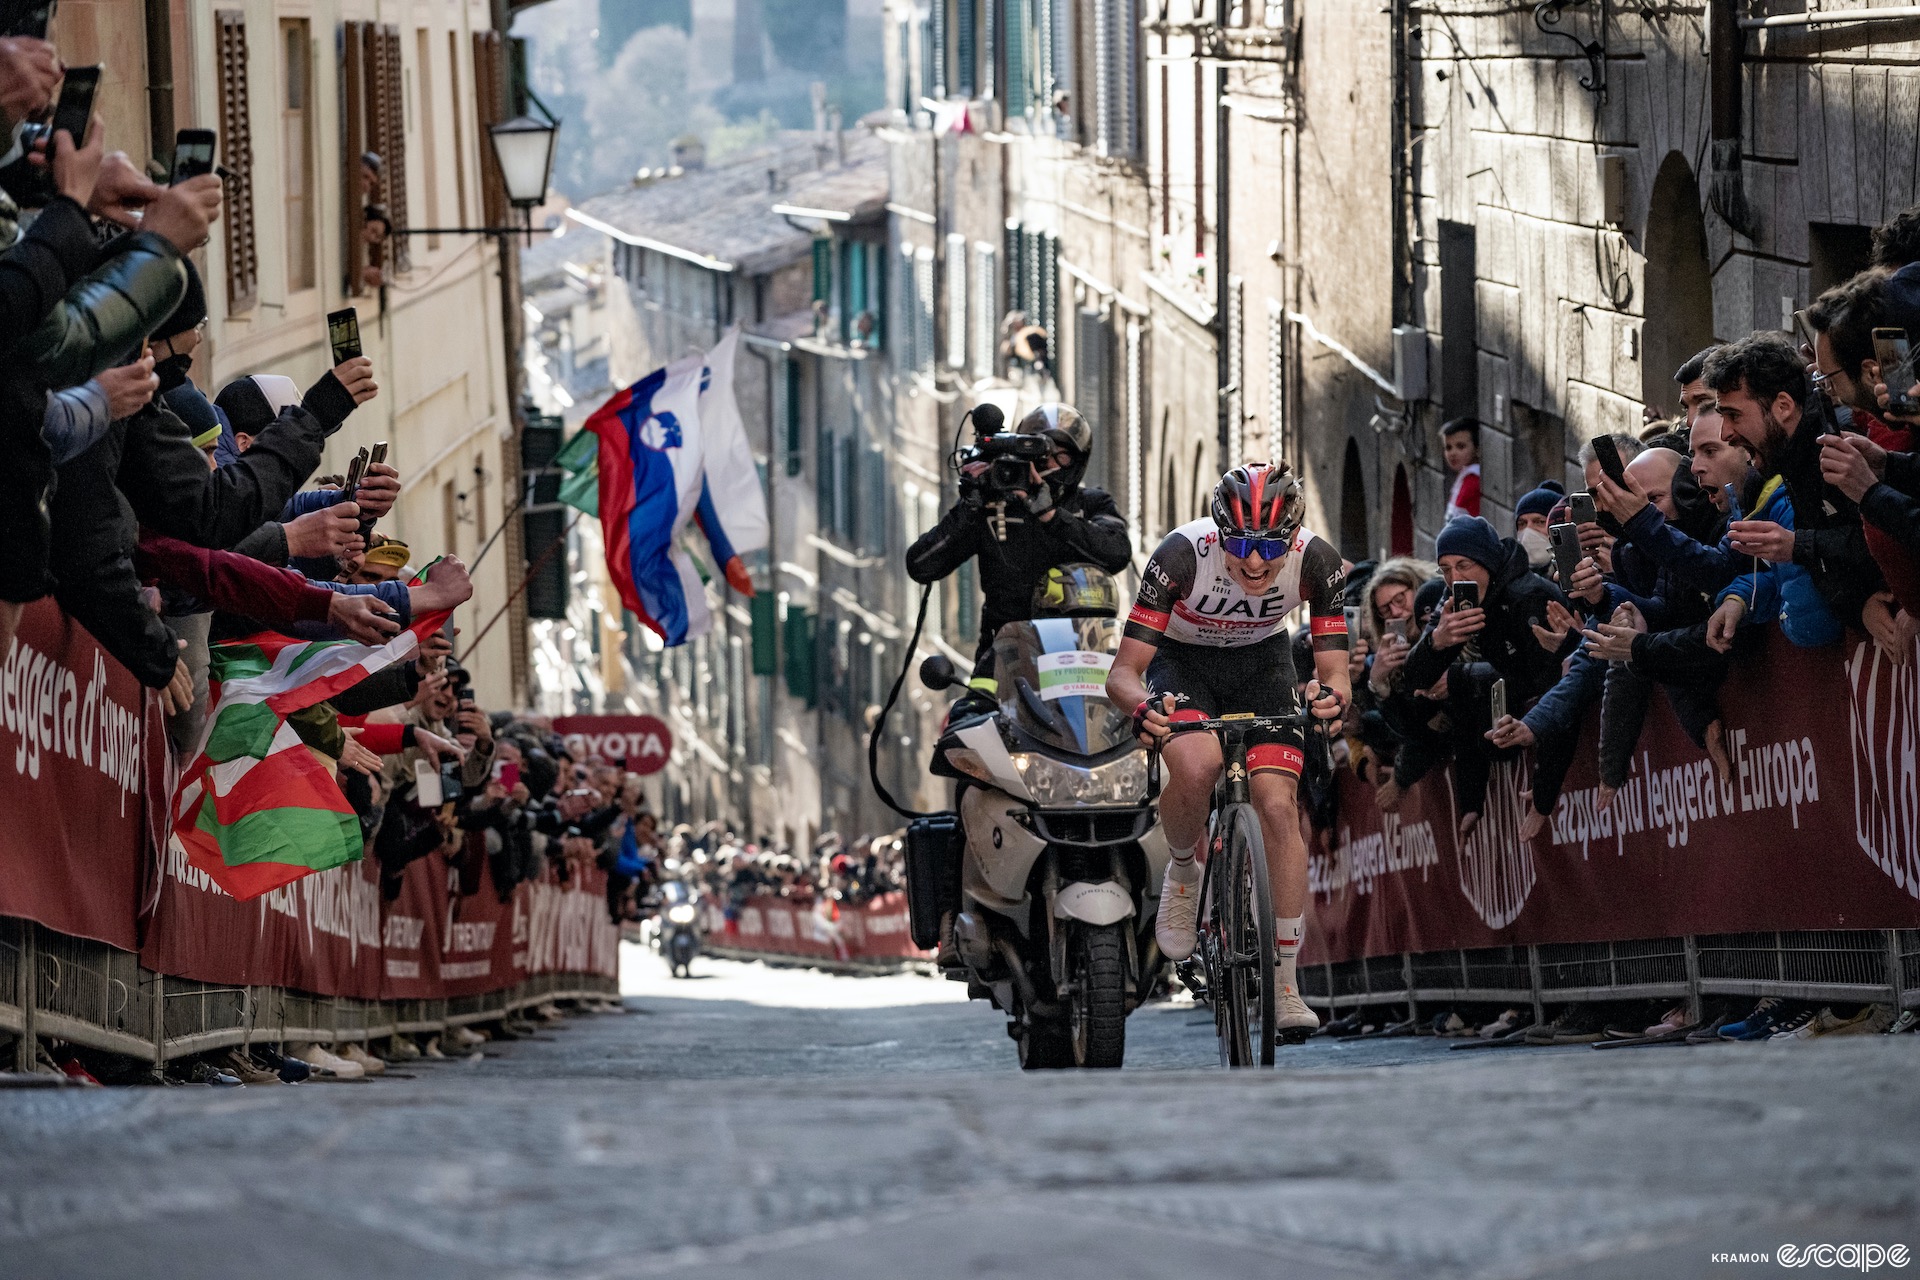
(1058, 849)
(679, 928)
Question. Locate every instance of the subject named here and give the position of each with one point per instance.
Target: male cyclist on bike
(1208, 637)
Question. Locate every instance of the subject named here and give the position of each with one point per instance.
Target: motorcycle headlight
(682, 914)
(968, 761)
(1052, 783)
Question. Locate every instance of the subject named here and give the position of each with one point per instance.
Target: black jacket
(1828, 538)
(1516, 598)
(36, 273)
(1088, 527)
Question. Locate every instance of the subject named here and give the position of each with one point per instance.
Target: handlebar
(1303, 720)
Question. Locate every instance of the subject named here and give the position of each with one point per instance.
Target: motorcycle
(1058, 848)
(679, 928)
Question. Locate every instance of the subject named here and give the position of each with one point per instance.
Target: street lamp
(523, 146)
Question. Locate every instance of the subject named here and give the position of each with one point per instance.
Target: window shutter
(1018, 89)
(986, 280)
(787, 393)
(1236, 371)
(392, 115)
(909, 359)
(966, 36)
(764, 607)
(490, 93)
(353, 142)
(236, 133)
(935, 74)
(986, 76)
(1276, 380)
(923, 315)
(823, 269)
(956, 301)
(1091, 374)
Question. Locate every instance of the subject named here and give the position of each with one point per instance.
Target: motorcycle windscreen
(1053, 682)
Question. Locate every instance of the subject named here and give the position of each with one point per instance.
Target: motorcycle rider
(1053, 522)
(1208, 637)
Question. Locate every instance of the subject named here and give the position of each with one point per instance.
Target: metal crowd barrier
(1864, 966)
(97, 996)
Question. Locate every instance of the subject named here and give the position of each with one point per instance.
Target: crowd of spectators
(1786, 491)
(732, 871)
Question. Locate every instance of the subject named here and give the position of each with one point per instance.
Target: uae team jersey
(1188, 597)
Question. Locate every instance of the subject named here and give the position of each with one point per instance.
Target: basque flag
(652, 465)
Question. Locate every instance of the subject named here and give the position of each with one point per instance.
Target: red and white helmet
(1259, 500)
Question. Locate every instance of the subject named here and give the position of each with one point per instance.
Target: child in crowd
(1460, 445)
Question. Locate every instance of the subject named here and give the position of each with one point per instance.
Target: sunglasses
(1241, 548)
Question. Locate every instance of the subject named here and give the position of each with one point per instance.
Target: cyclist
(1208, 637)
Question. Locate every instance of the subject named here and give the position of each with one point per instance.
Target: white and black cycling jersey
(1188, 597)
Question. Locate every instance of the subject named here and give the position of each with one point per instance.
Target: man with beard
(1766, 403)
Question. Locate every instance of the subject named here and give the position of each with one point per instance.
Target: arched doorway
(1400, 530)
(1355, 545)
(1678, 297)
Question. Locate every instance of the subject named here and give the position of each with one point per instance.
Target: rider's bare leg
(1192, 765)
(1275, 799)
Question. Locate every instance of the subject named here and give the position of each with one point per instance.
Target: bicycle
(1236, 897)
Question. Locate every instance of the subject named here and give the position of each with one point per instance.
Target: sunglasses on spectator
(1243, 548)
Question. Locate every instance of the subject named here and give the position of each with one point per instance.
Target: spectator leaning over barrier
(1504, 637)
(1389, 619)
(1766, 401)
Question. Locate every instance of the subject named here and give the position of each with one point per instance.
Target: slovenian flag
(255, 809)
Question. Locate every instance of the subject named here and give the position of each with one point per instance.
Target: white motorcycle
(1050, 871)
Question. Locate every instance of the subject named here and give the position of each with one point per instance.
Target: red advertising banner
(817, 928)
(1818, 828)
(644, 742)
(86, 752)
(411, 928)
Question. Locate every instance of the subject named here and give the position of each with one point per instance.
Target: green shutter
(801, 627)
(790, 407)
(765, 607)
(822, 269)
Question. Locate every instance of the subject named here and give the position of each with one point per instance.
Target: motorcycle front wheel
(1098, 1014)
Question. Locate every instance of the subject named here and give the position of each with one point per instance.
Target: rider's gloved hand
(1150, 722)
(1328, 704)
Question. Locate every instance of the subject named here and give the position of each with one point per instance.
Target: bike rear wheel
(1246, 917)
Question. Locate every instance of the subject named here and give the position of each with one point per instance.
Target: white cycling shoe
(1293, 1021)
(1177, 926)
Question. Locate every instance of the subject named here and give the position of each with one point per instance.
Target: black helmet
(1076, 591)
(1259, 500)
(1065, 429)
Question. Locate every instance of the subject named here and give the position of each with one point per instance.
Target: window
(236, 154)
(373, 110)
(956, 301)
(1116, 37)
(965, 37)
(459, 128)
(429, 141)
(1459, 363)
(1236, 399)
(923, 314)
(490, 93)
(823, 269)
(1019, 86)
(296, 149)
(1092, 369)
(449, 518)
(1277, 382)
(909, 327)
(986, 282)
(787, 397)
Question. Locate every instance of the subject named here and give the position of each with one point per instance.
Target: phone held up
(1499, 701)
(27, 19)
(74, 112)
(1891, 349)
(1465, 595)
(1607, 454)
(343, 333)
(192, 155)
(1581, 504)
(1565, 541)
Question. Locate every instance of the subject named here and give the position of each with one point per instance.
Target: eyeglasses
(1244, 548)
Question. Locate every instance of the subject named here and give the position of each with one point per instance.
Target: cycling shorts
(1208, 681)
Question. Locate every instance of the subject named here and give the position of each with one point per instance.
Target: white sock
(1184, 869)
(1286, 949)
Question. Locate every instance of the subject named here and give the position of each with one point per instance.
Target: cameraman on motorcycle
(1019, 533)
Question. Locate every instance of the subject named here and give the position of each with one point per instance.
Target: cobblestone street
(757, 1122)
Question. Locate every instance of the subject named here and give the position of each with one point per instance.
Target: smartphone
(379, 453)
(1353, 624)
(1466, 595)
(506, 773)
(1403, 627)
(1565, 540)
(1499, 706)
(1896, 369)
(192, 154)
(1733, 499)
(1607, 454)
(450, 785)
(343, 331)
(1804, 328)
(29, 19)
(426, 785)
(354, 471)
(75, 109)
(1581, 504)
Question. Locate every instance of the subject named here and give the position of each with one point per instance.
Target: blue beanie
(1474, 538)
(1541, 501)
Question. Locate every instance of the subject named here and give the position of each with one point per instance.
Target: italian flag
(255, 809)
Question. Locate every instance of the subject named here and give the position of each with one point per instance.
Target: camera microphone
(988, 420)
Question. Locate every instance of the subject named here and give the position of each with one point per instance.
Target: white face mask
(1534, 543)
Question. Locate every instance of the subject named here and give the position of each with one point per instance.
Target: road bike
(1235, 946)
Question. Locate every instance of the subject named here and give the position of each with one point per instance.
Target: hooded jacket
(1515, 600)
(1829, 541)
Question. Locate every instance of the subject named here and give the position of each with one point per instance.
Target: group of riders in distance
(1202, 676)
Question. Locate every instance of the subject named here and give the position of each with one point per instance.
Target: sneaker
(73, 1071)
(1449, 1025)
(358, 1055)
(401, 1049)
(1177, 927)
(1346, 1025)
(548, 1012)
(1543, 1032)
(432, 1049)
(290, 1070)
(328, 1066)
(1761, 1023)
(1510, 1021)
(1676, 1022)
(250, 1073)
(1293, 1021)
(1708, 1032)
(1828, 1023)
(1908, 1019)
(1798, 1027)
(1580, 1025)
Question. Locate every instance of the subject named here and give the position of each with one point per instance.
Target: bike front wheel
(1245, 906)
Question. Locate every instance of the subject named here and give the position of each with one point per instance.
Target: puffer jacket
(1787, 592)
(1516, 599)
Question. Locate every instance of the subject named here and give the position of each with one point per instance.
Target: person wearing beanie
(1535, 508)
(1520, 630)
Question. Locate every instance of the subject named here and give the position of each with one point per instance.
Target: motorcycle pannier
(934, 847)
